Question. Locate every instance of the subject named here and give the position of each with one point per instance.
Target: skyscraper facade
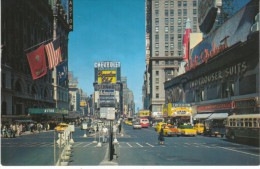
(165, 26)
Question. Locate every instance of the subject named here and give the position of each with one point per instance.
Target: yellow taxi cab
(187, 130)
(199, 127)
(159, 126)
(170, 130)
(61, 127)
(129, 122)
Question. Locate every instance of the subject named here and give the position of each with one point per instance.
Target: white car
(137, 125)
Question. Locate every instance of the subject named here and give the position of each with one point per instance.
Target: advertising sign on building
(106, 76)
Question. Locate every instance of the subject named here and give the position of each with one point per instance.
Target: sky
(108, 30)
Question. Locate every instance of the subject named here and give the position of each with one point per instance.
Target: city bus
(144, 122)
(244, 127)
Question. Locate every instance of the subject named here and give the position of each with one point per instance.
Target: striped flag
(53, 53)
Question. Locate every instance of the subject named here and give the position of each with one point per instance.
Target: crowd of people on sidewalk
(17, 129)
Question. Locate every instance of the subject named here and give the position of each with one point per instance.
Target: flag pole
(37, 44)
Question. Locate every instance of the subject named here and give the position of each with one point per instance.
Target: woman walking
(161, 137)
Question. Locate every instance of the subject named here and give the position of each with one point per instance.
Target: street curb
(106, 161)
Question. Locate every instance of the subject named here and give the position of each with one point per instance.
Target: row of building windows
(181, 12)
(180, 4)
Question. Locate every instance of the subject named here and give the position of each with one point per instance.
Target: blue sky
(108, 30)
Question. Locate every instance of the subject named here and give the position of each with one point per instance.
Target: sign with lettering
(106, 65)
(213, 107)
(71, 15)
(233, 70)
(107, 76)
(245, 103)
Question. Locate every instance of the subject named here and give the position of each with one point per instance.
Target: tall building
(128, 99)
(165, 26)
(25, 25)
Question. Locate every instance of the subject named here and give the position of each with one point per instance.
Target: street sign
(111, 115)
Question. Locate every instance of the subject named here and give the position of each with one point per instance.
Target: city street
(136, 147)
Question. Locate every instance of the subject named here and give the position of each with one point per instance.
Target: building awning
(218, 116)
(25, 121)
(47, 111)
(202, 116)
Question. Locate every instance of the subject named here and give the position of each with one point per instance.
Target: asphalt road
(140, 147)
(136, 147)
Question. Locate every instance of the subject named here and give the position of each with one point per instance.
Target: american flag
(53, 53)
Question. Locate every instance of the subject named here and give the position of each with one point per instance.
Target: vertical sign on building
(71, 15)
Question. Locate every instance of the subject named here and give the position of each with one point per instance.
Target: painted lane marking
(87, 144)
(238, 151)
(139, 145)
(129, 145)
(149, 144)
(79, 144)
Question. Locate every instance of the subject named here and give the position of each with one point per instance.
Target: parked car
(137, 125)
(170, 130)
(187, 130)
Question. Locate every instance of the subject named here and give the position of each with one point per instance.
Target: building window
(166, 29)
(157, 13)
(172, 4)
(157, 45)
(156, 62)
(195, 19)
(179, 12)
(179, 36)
(157, 4)
(157, 95)
(194, 11)
(179, 3)
(172, 21)
(166, 37)
(166, 12)
(166, 21)
(166, 46)
(157, 80)
(171, 45)
(157, 38)
(179, 21)
(172, 53)
(172, 12)
(179, 29)
(172, 29)
(185, 3)
(171, 37)
(157, 73)
(156, 21)
(194, 29)
(157, 88)
(184, 12)
(157, 29)
(166, 4)
(194, 3)
(156, 53)
(166, 53)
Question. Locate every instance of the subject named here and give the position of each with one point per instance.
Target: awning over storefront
(202, 116)
(47, 111)
(25, 121)
(218, 116)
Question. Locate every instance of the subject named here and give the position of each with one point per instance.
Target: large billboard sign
(107, 72)
(207, 13)
(236, 29)
(106, 76)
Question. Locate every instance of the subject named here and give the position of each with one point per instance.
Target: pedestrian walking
(105, 134)
(161, 137)
(119, 127)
